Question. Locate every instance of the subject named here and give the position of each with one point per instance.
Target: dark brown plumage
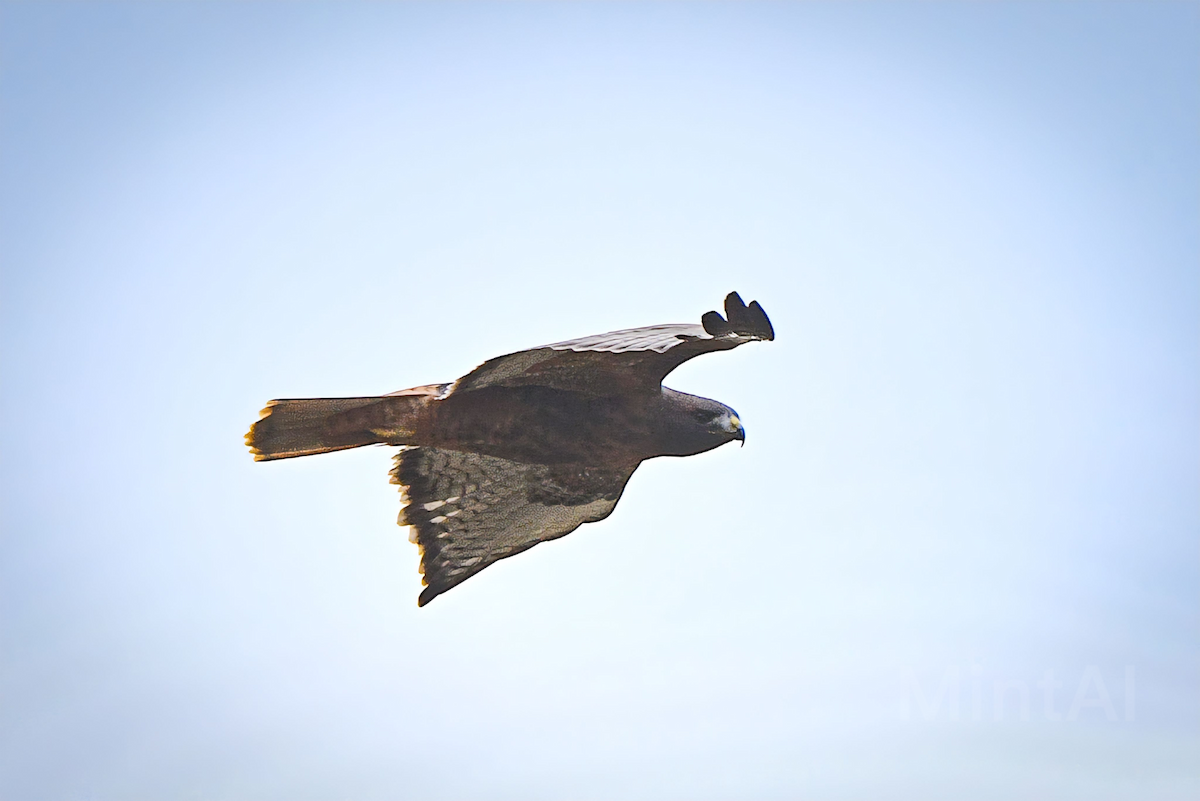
(528, 446)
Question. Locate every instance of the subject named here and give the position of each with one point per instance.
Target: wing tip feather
(715, 325)
(761, 321)
(740, 319)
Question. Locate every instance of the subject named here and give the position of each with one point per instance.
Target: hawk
(526, 447)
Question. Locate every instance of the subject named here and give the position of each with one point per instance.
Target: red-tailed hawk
(526, 447)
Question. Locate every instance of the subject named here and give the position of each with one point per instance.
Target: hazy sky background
(973, 452)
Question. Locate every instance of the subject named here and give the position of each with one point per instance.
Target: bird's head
(733, 426)
(701, 424)
(724, 424)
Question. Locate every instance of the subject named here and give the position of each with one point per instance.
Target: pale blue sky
(973, 451)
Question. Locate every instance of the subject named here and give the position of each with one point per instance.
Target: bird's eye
(703, 416)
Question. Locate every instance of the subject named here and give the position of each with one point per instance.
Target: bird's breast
(544, 425)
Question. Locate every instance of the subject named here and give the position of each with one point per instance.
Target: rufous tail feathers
(304, 426)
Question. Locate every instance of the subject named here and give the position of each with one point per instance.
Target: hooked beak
(739, 432)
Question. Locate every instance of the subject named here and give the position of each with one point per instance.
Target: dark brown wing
(468, 510)
(632, 360)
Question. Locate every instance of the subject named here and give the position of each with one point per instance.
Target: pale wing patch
(657, 338)
(488, 508)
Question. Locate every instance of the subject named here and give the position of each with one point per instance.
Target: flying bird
(529, 446)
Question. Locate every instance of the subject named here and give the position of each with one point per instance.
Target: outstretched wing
(468, 510)
(636, 359)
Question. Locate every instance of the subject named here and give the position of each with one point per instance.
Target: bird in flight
(529, 446)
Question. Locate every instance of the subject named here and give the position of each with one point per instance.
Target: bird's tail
(306, 426)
